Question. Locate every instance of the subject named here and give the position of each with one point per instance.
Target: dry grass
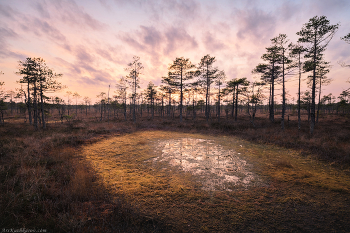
(176, 199)
(71, 177)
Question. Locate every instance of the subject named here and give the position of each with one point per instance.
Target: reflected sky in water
(216, 167)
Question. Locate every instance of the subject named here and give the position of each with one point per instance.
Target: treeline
(189, 88)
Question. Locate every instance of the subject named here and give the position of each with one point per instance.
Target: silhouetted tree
(321, 79)
(180, 71)
(236, 83)
(102, 97)
(68, 94)
(87, 102)
(39, 79)
(281, 42)
(316, 34)
(167, 89)
(27, 69)
(346, 38)
(296, 50)
(269, 73)
(254, 97)
(121, 92)
(219, 81)
(207, 74)
(76, 96)
(151, 94)
(3, 96)
(134, 69)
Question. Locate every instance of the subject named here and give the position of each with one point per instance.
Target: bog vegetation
(58, 170)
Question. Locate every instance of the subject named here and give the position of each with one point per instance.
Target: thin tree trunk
(299, 119)
(219, 105)
(181, 97)
(272, 105)
(319, 101)
(29, 106)
(313, 94)
(283, 93)
(35, 107)
(42, 107)
(236, 103)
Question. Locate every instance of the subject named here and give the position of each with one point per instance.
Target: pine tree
(208, 74)
(315, 34)
(133, 78)
(180, 71)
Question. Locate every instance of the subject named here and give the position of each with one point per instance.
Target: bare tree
(134, 69)
(87, 102)
(76, 96)
(102, 97)
(121, 92)
(221, 76)
(151, 94)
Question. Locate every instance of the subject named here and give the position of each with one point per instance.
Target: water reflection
(217, 168)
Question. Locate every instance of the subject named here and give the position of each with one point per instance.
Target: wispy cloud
(212, 43)
(178, 39)
(255, 25)
(70, 13)
(7, 34)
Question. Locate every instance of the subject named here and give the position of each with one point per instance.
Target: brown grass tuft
(283, 164)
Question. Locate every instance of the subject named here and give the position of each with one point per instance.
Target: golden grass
(58, 179)
(176, 198)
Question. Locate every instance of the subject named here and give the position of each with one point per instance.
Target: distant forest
(191, 90)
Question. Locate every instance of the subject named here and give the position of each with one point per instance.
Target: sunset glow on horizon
(91, 42)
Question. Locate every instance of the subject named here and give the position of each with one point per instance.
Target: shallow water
(215, 167)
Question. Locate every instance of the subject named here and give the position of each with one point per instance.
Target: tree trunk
(35, 107)
(319, 100)
(272, 104)
(207, 96)
(181, 97)
(299, 119)
(42, 107)
(233, 101)
(313, 94)
(219, 105)
(236, 103)
(283, 93)
(29, 106)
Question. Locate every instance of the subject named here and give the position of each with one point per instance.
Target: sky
(91, 42)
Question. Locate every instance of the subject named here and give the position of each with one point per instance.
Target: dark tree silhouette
(269, 73)
(39, 79)
(316, 34)
(207, 74)
(121, 92)
(219, 81)
(346, 38)
(180, 71)
(134, 69)
(281, 42)
(150, 95)
(3, 96)
(296, 50)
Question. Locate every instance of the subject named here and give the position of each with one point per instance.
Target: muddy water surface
(215, 167)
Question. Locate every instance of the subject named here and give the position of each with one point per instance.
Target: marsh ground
(97, 176)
